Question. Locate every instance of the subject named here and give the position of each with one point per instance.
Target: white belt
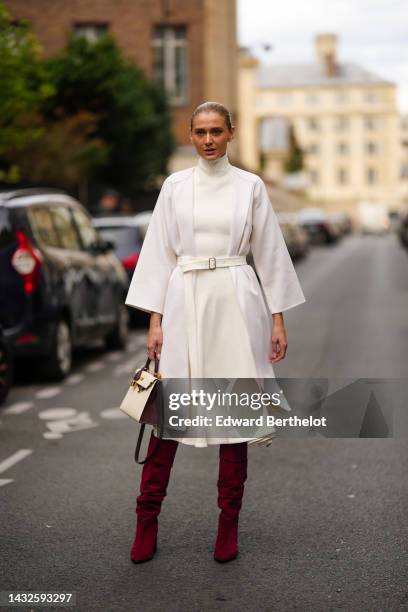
(188, 263)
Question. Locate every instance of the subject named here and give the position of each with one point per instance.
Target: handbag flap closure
(145, 379)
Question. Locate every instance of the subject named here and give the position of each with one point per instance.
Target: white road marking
(95, 367)
(74, 379)
(50, 435)
(4, 481)
(18, 408)
(351, 496)
(113, 413)
(15, 458)
(57, 413)
(48, 392)
(80, 421)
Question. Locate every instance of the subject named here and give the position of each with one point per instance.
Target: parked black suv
(60, 285)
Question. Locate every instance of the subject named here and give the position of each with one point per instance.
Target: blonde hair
(216, 107)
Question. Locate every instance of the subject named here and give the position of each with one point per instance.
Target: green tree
(65, 155)
(294, 162)
(60, 151)
(24, 88)
(132, 114)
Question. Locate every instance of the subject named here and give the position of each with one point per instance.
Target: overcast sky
(372, 33)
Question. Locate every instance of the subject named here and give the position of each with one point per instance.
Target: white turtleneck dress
(224, 349)
(223, 342)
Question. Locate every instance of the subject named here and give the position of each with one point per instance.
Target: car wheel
(117, 338)
(58, 363)
(6, 370)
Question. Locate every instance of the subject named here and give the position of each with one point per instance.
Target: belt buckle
(212, 263)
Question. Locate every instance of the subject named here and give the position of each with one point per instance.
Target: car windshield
(127, 239)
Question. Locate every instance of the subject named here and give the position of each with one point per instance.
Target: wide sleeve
(271, 257)
(156, 261)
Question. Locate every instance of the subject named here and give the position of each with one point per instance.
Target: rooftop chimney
(326, 52)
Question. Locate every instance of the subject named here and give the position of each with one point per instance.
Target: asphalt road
(323, 525)
(354, 323)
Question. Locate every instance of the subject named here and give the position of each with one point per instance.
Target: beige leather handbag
(144, 403)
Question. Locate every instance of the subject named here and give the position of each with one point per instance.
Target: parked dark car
(60, 285)
(395, 219)
(296, 237)
(318, 225)
(6, 367)
(127, 234)
(402, 228)
(341, 221)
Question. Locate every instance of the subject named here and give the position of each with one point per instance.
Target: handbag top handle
(156, 365)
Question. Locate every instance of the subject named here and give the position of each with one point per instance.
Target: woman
(209, 315)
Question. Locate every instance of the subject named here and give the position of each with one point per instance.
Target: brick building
(189, 46)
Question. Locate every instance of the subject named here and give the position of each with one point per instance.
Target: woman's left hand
(279, 344)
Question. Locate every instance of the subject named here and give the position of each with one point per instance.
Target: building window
(341, 98)
(343, 148)
(372, 123)
(314, 176)
(372, 176)
(284, 99)
(370, 97)
(342, 176)
(170, 61)
(341, 123)
(313, 124)
(91, 31)
(274, 134)
(371, 148)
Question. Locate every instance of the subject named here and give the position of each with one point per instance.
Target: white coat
(159, 285)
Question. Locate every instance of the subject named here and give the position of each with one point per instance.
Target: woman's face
(210, 135)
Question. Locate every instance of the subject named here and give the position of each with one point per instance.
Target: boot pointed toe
(145, 543)
(225, 558)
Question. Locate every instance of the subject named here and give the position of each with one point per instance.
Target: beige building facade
(344, 118)
(403, 141)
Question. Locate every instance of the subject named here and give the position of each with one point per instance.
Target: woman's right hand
(154, 337)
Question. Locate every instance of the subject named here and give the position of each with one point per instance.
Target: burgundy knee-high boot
(231, 479)
(153, 489)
